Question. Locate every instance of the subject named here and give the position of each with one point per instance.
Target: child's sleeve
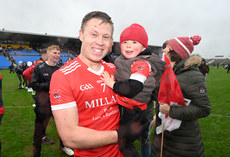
(140, 70)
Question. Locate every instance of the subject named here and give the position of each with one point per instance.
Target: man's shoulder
(108, 65)
(39, 65)
(70, 68)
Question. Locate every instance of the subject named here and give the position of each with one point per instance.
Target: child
(138, 70)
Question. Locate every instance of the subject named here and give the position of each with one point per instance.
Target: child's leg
(145, 142)
(127, 148)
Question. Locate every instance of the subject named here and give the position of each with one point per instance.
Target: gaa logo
(86, 87)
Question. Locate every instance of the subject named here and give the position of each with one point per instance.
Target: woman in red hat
(186, 140)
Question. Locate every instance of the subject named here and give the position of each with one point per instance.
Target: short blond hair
(51, 47)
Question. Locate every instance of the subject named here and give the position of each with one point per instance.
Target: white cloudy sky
(162, 19)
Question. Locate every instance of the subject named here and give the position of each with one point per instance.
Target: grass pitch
(16, 130)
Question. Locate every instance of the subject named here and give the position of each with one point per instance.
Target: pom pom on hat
(135, 32)
(184, 46)
(196, 39)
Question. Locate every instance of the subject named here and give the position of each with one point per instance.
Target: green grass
(16, 130)
(216, 127)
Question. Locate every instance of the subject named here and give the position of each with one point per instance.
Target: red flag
(169, 93)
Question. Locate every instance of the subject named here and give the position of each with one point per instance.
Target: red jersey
(77, 84)
(2, 109)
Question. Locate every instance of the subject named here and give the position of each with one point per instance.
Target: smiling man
(85, 110)
(40, 82)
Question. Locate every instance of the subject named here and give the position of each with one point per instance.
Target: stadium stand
(25, 58)
(4, 63)
(25, 52)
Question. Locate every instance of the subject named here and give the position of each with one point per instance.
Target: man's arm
(67, 120)
(74, 136)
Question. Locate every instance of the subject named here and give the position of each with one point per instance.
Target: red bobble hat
(184, 46)
(135, 32)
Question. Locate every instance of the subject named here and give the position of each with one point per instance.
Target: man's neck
(51, 63)
(93, 65)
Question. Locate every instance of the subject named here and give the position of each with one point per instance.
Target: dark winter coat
(187, 140)
(123, 73)
(40, 83)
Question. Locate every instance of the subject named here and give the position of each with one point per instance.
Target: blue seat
(4, 63)
(26, 58)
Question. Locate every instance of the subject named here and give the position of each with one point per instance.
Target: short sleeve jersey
(1, 102)
(75, 84)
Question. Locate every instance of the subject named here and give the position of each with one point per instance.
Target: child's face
(131, 49)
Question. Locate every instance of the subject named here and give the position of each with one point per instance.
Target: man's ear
(80, 34)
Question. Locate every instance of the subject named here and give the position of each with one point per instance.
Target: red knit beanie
(183, 46)
(135, 32)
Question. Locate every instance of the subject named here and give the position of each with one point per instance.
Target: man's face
(96, 40)
(53, 55)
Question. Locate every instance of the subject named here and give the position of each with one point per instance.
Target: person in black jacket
(40, 83)
(25, 82)
(11, 67)
(185, 141)
(228, 68)
(19, 72)
(204, 68)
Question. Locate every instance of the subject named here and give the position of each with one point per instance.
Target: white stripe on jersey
(68, 69)
(97, 72)
(111, 65)
(138, 77)
(63, 106)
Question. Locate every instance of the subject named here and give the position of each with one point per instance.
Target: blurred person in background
(204, 68)
(28, 72)
(12, 68)
(40, 83)
(1, 108)
(228, 68)
(25, 82)
(19, 72)
(69, 59)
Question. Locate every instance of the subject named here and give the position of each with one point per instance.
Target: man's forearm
(86, 138)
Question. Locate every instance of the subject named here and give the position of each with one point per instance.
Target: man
(28, 75)
(28, 72)
(84, 108)
(1, 107)
(40, 83)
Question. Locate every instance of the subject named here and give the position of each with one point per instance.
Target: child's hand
(109, 80)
